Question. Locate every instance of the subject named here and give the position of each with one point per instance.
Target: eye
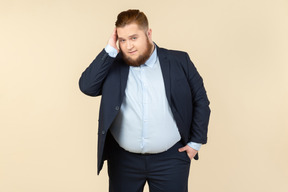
(134, 38)
(122, 40)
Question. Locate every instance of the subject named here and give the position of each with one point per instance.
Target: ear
(149, 34)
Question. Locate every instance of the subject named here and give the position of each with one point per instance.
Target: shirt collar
(152, 59)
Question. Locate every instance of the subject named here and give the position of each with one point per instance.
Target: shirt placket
(144, 107)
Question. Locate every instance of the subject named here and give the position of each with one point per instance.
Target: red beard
(141, 59)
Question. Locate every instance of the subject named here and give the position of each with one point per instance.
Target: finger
(182, 149)
(115, 32)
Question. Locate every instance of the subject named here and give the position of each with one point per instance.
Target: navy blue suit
(184, 88)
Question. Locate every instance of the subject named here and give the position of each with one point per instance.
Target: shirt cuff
(195, 146)
(112, 52)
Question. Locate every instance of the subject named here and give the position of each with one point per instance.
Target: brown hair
(132, 16)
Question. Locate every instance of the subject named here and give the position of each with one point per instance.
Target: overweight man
(154, 110)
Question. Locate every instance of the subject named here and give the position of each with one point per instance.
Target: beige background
(48, 127)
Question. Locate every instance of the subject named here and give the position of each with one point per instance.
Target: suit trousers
(164, 172)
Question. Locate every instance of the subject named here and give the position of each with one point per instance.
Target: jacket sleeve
(201, 110)
(92, 78)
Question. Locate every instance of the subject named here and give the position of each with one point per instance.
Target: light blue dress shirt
(145, 122)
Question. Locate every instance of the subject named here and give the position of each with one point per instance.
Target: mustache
(141, 59)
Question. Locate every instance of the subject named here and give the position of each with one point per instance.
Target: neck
(153, 48)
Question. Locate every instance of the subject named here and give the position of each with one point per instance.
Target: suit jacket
(184, 88)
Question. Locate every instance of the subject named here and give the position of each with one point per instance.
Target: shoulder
(178, 60)
(172, 54)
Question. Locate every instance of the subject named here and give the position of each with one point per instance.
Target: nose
(129, 45)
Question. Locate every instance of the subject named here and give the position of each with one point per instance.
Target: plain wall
(48, 128)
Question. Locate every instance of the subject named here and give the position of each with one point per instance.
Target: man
(154, 109)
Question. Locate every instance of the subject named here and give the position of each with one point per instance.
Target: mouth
(132, 52)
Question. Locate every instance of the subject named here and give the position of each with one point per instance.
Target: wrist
(194, 145)
(112, 52)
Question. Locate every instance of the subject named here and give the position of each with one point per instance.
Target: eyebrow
(128, 36)
(133, 35)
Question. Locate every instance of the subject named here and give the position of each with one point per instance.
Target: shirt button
(103, 132)
(117, 108)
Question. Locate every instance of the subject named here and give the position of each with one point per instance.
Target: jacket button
(103, 132)
(117, 108)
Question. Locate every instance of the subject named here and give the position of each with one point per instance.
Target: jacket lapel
(165, 67)
(124, 71)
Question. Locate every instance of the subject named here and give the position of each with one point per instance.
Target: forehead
(129, 30)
